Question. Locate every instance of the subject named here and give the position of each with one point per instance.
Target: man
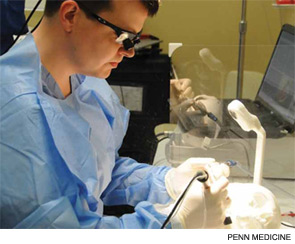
(61, 130)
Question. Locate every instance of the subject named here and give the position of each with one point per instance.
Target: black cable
(163, 138)
(24, 25)
(37, 24)
(160, 134)
(201, 176)
(291, 226)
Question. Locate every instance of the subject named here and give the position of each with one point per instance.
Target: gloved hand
(179, 90)
(178, 178)
(204, 208)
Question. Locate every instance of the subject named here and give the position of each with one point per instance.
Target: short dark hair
(52, 6)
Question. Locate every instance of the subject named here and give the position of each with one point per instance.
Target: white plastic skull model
(253, 207)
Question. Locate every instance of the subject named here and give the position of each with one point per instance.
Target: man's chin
(103, 74)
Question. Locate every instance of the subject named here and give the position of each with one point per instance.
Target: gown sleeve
(133, 182)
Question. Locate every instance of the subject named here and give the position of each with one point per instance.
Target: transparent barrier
(205, 128)
(213, 69)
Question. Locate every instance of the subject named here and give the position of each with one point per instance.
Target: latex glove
(178, 178)
(204, 208)
(179, 90)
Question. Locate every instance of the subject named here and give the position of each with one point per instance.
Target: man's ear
(68, 13)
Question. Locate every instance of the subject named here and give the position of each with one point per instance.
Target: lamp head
(244, 118)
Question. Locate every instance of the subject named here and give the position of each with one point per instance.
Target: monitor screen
(277, 89)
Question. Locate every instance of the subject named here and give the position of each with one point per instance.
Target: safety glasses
(127, 38)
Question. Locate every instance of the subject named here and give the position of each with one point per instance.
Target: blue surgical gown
(59, 157)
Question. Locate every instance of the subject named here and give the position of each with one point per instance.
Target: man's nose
(127, 53)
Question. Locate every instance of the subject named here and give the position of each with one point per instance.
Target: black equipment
(142, 84)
